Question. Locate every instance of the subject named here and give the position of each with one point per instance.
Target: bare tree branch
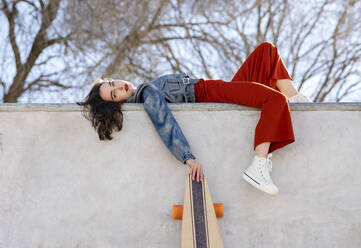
(40, 43)
(11, 14)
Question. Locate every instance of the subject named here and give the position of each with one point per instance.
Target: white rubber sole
(258, 186)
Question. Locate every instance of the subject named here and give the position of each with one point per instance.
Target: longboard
(199, 223)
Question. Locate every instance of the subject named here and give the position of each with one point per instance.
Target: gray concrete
(62, 187)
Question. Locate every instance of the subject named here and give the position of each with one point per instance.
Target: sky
(72, 95)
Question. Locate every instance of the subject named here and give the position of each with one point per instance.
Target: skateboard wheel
(178, 210)
(219, 209)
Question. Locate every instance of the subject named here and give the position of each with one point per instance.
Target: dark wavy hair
(104, 116)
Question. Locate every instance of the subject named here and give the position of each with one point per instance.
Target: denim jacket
(154, 95)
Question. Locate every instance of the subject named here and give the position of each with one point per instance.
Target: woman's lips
(126, 87)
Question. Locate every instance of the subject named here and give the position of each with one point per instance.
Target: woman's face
(116, 90)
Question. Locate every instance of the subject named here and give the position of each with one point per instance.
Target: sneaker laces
(265, 167)
(269, 162)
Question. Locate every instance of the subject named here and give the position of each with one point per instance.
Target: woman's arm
(165, 124)
(169, 130)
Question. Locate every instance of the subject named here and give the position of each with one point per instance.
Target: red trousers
(254, 85)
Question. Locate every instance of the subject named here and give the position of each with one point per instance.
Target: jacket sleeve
(165, 124)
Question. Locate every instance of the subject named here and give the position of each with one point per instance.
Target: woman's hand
(196, 169)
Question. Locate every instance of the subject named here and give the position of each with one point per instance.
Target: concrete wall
(62, 187)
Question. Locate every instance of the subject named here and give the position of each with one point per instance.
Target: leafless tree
(326, 45)
(72, 42)
(318, 40)
(28, 40)
(140, 39)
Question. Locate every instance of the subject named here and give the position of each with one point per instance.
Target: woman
(262, 81)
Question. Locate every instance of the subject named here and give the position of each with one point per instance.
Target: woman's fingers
(196, 170)
(199, 173)
(193, 172)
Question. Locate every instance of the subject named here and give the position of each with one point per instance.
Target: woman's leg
(264, 65)
(257, 83)
(273, 130)
(287, 87)
(274, 125)
(262, 149)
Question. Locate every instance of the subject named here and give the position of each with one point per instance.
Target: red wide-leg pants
(254, 85)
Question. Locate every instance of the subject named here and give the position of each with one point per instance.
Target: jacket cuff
(187, 156)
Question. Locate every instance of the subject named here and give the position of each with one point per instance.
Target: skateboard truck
(178, 210)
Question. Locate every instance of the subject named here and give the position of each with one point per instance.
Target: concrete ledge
(60, 186)
(70, 107)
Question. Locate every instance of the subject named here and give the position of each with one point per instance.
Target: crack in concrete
(1, 144)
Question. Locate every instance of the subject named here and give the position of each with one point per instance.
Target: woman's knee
(266, 44)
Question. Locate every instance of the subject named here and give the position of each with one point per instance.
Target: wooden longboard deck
(199, 225)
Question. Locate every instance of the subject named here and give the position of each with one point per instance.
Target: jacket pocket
(172, 90)
(172, 85)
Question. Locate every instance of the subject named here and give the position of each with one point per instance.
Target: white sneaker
(257, 174)
(300, 97)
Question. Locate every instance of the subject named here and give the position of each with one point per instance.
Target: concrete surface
(62, 187)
